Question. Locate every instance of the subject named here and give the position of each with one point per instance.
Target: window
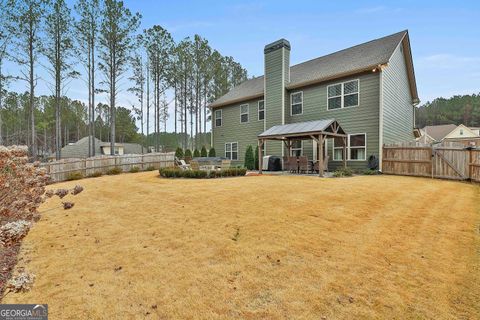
(218, 118)
(461, 132)
(296, 103)
(297, 149)
(343, 95)
(244, 113)
(231, 150)
(261, 110)
(356, 147)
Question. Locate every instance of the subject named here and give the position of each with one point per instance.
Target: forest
(100, 42)
(459, 109)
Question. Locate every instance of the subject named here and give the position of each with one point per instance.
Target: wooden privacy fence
(61, 169)
(447, 161)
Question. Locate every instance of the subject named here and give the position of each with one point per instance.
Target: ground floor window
(297, 148)
(231, 150)
(356, 147)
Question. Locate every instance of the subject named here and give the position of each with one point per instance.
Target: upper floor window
(244, 113)
(231, 150)
(343, 95)
(296, 103)
(261, 110)
(218, 118)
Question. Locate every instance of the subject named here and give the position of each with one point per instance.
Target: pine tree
(203, 152)
(211, 152)
(249, 159)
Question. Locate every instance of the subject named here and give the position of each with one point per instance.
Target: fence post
(432, 159)
(470, 163)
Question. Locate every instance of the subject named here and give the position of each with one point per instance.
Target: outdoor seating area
(303, 165)
(204, 164)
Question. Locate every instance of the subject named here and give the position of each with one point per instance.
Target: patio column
(344, 151)
(260, 156)
(320, 155)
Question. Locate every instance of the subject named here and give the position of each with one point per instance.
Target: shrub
(74, 176)
(150, 168)
(114, 171)
(343, 172)
(256, 158)
(95, 174)
(179, 153)
(134, 169)
(203, 152)
(249, 158)
(188, 155)
(211, 152)
(173, 172)
(196, 153)
(369, 172)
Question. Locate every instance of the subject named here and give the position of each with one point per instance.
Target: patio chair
(292, 164)
(325, 164)
(182, 164)
(303, 164)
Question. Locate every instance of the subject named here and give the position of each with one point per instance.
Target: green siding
(361, 119)
(398, 111)
(232, 130)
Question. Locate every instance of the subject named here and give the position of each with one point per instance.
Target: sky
(444, 35)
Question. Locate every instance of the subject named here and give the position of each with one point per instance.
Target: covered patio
(318, 131)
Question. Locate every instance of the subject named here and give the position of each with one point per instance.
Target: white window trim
(258, 110)
(247, 113)
(342, 95)
(221, 118)
(301, 149)
(348, 148)
(231, 150)
(291, 103)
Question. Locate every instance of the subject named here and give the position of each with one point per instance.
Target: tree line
(100, 42)
(459, 109)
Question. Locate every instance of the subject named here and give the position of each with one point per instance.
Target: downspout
(380, 124)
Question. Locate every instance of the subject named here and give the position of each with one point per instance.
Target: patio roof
(304, 130)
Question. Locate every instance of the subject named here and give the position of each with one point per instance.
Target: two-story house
(369, 89)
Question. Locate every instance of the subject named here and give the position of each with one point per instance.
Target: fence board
(60, 170)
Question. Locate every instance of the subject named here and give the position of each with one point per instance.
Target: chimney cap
(282, 43)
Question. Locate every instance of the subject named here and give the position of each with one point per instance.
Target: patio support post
(344, 151)
(320, 155)
(260, 156)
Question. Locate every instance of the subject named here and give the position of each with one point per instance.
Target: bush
(179, 153)
(114, 171)
(150, 168)
(203, 152)
(369, 172)
(211, 152)
(188, 155)
(74, 176)
(343, 172)
(249, 158)
(174, 172)
(134, 169)
(256, 158)
(196, 153)
(95, 174)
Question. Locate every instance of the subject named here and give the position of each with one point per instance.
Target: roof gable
(439, 132)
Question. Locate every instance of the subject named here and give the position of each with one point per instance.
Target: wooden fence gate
(446, 161)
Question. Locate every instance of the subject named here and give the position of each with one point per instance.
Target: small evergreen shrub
(249, 158)
(134, 169)
(211, 152)
(179, 153)
(369, 172)
(173, 172)
(196, 153)
(95, 174)
(114, 171)
(343, 172)
(188, 155)
(74, 176)
(256, 158)
(203, 152)
(150, 168)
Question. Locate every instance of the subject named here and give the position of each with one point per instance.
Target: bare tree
(116, 34)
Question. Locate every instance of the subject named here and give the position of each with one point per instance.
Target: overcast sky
(445, 35)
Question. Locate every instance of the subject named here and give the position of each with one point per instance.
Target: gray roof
(298, 128)
(348, 61)
(439, 132)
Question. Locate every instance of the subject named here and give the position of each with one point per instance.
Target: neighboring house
(449, 132)
(79, 149)
(369, 89)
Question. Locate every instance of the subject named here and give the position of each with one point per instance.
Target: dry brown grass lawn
(138, 246)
